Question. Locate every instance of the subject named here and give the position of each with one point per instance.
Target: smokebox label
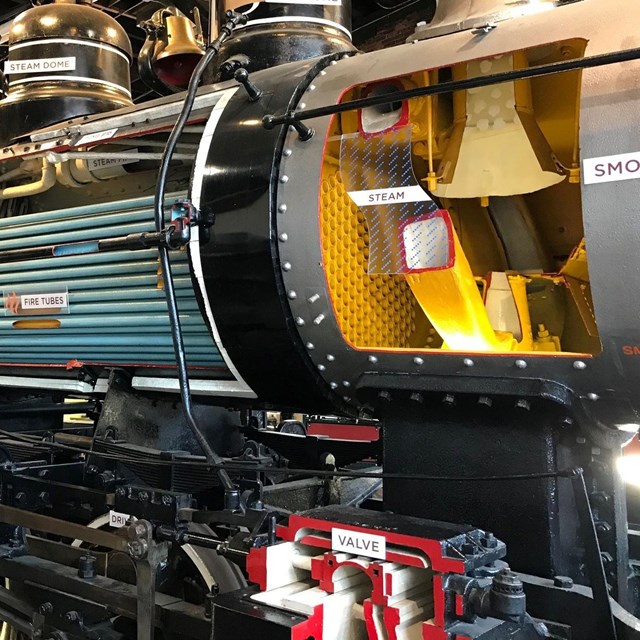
(358, 543)
(623, 166)
(40, 65)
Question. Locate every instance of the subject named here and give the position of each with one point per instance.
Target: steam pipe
(46, 181)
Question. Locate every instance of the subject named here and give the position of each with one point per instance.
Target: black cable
(270, 121)
(395, 7)
(234, 19)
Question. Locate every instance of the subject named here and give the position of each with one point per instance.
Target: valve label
(358, 543)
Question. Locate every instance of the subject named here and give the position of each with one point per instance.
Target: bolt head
(468, 362)
(521, 364)
(373, 359)
(579, 365)
(564, 582)
(292, 295)
(45, 607)
(593, 397)
(489, 541)
(138, 549)
(418, 361)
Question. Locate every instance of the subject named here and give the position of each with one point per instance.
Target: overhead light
(629, 469)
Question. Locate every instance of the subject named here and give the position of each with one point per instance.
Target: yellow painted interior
(445, 309)
(451, 300)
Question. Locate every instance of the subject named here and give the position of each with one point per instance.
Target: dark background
(376, 23)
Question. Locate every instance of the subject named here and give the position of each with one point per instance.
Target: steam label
(94, 164)
(394, 195)
(40, 65)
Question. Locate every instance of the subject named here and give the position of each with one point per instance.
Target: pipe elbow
(46, 181)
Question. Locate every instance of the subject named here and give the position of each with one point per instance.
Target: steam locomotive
(438, 239)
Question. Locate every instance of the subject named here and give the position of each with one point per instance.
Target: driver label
(118, 520)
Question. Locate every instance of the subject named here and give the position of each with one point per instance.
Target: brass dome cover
(66, 20)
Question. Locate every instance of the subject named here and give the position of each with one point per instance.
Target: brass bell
(173, 48)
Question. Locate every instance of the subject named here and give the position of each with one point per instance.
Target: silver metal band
(238, 388)
(322, 21)
(71, 78)
(82, 43)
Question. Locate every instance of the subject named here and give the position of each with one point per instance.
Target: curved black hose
(234, 19)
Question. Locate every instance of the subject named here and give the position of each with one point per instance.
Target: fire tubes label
(18, 303)
(359, 543)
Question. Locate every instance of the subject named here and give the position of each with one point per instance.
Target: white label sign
(389, 196)
(118, 520)
(623, 166)
(44, 301)
(104, 163)
(40, 65)
(95, 137)
(358, 543)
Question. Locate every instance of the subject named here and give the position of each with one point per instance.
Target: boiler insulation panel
(116, 309)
